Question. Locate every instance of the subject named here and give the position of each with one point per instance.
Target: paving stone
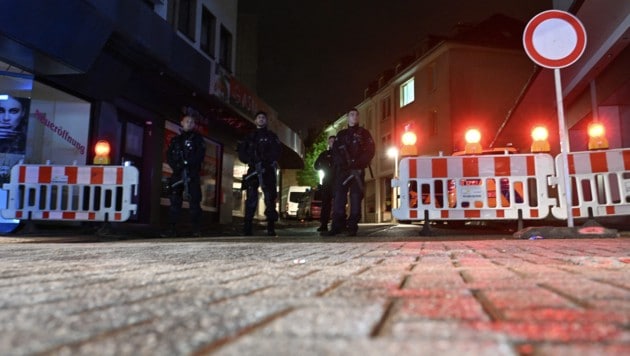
(200, 296)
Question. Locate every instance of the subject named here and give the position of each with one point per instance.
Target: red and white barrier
(474, 187)
(600, 183)
(71, 193)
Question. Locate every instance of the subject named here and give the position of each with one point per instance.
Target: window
(386, 108)
(186, 18)
(51, 125)
(225, 49)
(208, 25)
(407, 92)
(433, 123)
(432, 77)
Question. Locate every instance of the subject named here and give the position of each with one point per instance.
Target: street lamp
(392, 152)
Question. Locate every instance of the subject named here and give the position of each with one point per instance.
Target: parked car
(310, 206)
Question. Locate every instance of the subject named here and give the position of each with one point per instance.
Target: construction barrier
(474, 187)
(71, 193)
(600, 184)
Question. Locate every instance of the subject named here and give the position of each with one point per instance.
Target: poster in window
(13, 126)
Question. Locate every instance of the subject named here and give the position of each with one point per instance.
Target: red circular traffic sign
(554, 39)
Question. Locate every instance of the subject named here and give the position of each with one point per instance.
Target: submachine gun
(354, 173)
(258, 172)
(185, 177)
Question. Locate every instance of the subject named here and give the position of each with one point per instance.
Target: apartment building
(125, 71)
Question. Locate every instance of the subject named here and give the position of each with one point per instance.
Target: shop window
(45, 124)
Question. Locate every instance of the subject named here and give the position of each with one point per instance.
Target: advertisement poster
(13, 128)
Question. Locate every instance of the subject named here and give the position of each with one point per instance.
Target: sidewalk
(317, 297)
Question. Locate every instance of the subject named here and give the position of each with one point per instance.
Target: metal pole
(564, 146)
(395, 190)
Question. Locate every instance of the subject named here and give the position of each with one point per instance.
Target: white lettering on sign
(59, 179)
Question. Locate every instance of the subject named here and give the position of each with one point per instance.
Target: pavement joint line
(216, 345)
(128, 302)
(380, 327)
(617, 285)
(466, 277)
(517, 272)
(330, 288)
(361, 271)
(241, 278)
(491, 311)
(309, 273)
(578, 302)
(75, 345)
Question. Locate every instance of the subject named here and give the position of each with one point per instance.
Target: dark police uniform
(260, 148)
(324, 162)
(186, 151)
(352, 152)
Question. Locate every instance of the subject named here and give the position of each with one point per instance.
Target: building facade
(465, 81)
(126, 71)
(482, 78)
(596, 88)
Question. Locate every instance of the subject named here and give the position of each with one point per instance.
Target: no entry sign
(554, 39)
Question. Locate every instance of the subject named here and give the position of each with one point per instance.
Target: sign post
(556, 39)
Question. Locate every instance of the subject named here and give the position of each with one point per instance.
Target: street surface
(388, 291)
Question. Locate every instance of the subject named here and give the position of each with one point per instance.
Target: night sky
(317, 57)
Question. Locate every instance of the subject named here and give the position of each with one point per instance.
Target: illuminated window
(407, 92)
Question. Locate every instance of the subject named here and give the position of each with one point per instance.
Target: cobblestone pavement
(286, 296)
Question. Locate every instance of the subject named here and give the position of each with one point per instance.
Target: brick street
(287, 296)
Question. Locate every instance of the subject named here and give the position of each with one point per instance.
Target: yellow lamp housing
(540, 142)
(597, 136)
(101, 152)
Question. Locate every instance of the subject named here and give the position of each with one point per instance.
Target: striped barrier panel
(474, 187)
(71, 193)
(600, 184)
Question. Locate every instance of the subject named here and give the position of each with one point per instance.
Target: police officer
(324, 163)
(261, 151)
(185, 155)
(352, 152)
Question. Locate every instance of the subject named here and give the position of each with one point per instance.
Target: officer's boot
(170, 232)
(271, 231)
(196, 230)
(247, 228)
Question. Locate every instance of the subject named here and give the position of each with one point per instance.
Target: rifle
(185, 178)
(258, 171)
(354, 173)
(185, 181)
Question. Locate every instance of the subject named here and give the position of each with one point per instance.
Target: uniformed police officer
(261, 151)
(185, 155)
(324, 163)
(352, 152)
